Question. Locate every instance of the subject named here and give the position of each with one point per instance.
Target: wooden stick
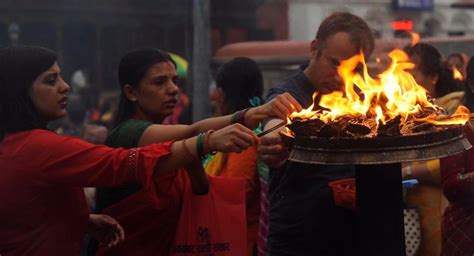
(260, 116)
(272, 129)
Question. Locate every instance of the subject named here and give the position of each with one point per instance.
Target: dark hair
(19, 67)
(360, 32)
(132, 68)
(468, 95)
(470, 69)
(430, 64)
(241, 80)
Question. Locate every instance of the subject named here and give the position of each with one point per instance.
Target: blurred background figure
(470, 74)
(458, 62)
(457, 174)
(438, 79)
(76, 116)
(428, 197)
(429, 71)
(107, 111)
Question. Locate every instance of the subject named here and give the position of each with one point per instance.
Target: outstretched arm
(280, 107)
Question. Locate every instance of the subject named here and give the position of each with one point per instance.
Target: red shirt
(149, 218)
(43, 209)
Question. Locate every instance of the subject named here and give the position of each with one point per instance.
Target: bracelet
(241, 118)
(207, 146)
(234, 117)
(200, 145)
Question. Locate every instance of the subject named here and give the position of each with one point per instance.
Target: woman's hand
(233, 138)
(281, 107)
(105, 229)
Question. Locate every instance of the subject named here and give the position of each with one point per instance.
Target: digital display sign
(415, 5)
(405, 25)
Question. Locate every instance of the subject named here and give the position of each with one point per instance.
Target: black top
(298, 86)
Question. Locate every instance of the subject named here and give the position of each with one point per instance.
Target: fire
(457, 74)
(461, 116)
(415, 38)
(392, 94)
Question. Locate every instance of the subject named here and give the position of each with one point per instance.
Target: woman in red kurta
(43, 209)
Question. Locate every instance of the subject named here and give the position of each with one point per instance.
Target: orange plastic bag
(213, 224)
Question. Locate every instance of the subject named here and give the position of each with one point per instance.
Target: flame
(456, 73)
(415, 38)
(460, 116)
(305, 113)
(392, 94)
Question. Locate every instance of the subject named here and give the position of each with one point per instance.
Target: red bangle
(207, 146)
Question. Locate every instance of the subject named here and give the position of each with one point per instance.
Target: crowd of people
(96, 173)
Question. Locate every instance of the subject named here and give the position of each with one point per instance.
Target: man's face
(325, 58)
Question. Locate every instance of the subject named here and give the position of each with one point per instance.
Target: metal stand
(380, 228)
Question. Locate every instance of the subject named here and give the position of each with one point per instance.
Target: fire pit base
(380, 226)
(342, 151)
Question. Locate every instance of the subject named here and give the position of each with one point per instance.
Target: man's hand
(272, 149)
(105, 229)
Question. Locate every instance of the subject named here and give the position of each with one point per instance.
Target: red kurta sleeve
(64, 160)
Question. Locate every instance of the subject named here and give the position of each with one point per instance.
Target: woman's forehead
(162, 68)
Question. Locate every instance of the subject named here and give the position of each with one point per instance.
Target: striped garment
(263, 222)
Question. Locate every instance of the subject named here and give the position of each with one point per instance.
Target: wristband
(207, 146)
(200, 145)
(241, 118)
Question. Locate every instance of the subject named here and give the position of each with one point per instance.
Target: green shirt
(126, 135)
